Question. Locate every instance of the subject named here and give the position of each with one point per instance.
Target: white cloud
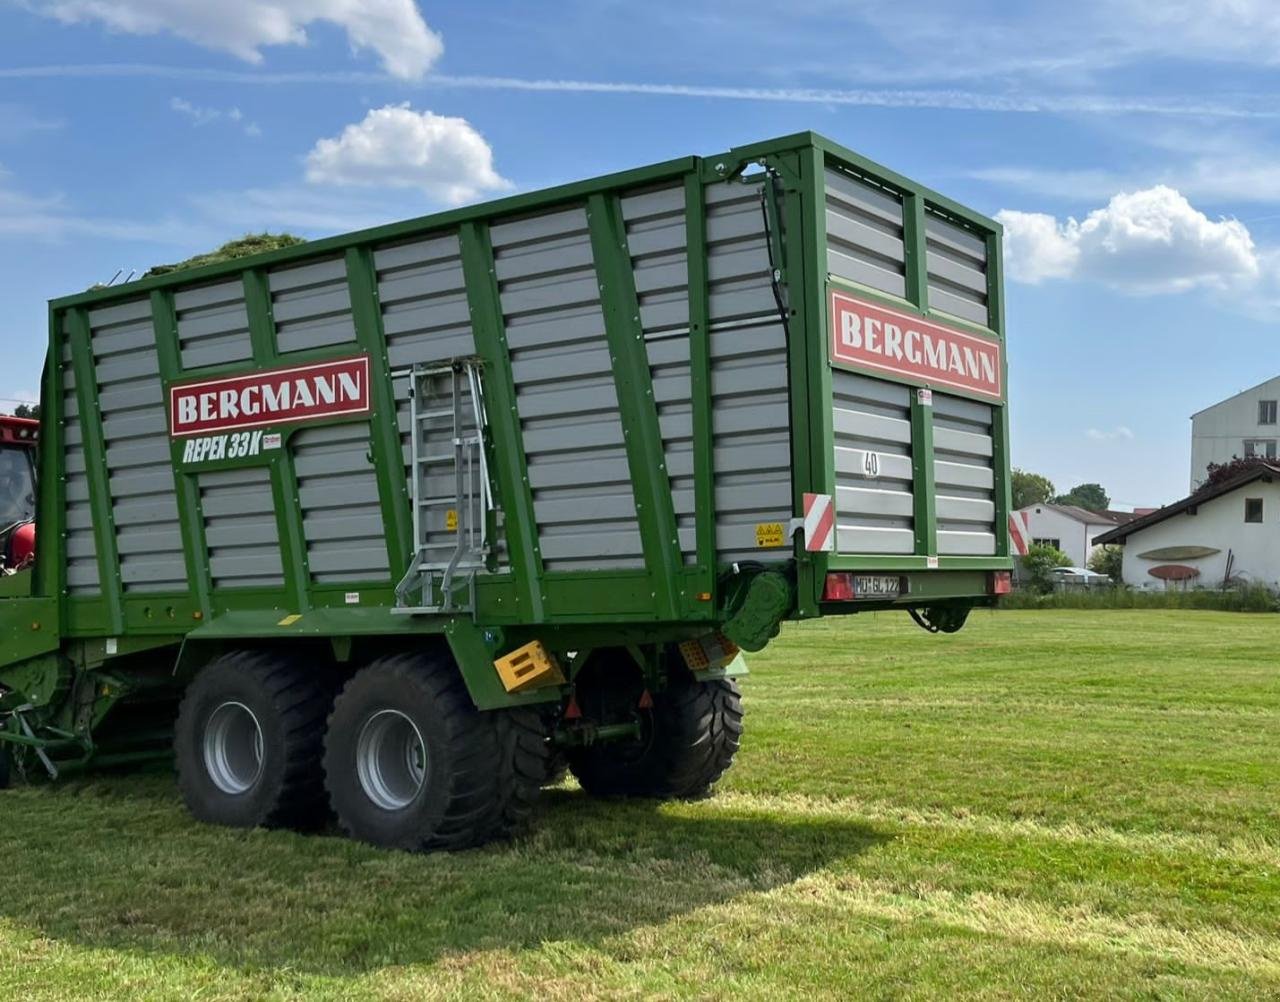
(50, 219)
(398, 147)
(1109, 435)
(1142, 242)
(204, 116)
(394, 29)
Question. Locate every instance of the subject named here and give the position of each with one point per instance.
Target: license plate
(877, 586)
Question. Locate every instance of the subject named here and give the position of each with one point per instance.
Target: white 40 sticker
(235, 445)
(871, 465)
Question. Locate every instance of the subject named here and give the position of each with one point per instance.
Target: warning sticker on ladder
(819, 523)
(451, 520)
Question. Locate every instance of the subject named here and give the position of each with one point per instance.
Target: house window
(1260, 448)
(1253, 509)
(1044, 541)
(1266, 412)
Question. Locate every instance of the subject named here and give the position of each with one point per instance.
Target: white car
(1080, 575)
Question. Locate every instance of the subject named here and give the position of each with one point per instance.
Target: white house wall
(1218, 433)
(1077, 537)
(1220, 524)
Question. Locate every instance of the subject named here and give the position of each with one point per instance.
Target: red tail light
(1001, 583)
(838, 587)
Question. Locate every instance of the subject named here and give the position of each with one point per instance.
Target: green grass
(1048, 804)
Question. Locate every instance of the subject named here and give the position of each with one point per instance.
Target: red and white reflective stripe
(819, 523)
(1019, 531)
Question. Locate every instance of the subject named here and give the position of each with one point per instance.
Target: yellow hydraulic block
(529, 667)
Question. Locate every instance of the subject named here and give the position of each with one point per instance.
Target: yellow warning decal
(451, 520)
(770, 534)
(289, 620)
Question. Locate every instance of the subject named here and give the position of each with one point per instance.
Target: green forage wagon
(398, 525)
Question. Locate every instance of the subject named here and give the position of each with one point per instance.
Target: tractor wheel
(410, 763)
(525, 739)
(6, 767)
(688, 739)
(248, 742)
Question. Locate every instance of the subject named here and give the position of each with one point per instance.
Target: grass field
(1049, 804)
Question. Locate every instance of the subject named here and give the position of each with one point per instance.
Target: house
(1072, 530)
(1227, 532)
(1244, 425)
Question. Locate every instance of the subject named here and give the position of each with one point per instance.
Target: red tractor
(17, 493)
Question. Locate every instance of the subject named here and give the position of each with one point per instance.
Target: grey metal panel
(559, 355)
(82, 550)
(874, 514)
(138, 456)
(750, 410)
(341, 512)
(964, 474)
(657, 239)
(957, 265)
(213, 324)
(311, 305)
(240, 528)
(865, 234)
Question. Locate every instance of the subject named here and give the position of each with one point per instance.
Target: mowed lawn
(1048, 804)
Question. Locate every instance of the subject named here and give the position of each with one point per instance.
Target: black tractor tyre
(524, 736)
(410, 763)
(248, 741)
(6, 767)
(689, 740)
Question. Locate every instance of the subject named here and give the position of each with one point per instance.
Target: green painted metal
(95, 459)
(641, 431)
(190, 510)
(916, 252)
(695, 215)
(923, 475)
(284, 480)
(388, 458)
(504, 418)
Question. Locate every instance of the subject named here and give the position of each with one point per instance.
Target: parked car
(1080, 576)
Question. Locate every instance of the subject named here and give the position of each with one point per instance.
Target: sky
(1131, 148)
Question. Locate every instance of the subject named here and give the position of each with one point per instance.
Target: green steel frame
(669, 597)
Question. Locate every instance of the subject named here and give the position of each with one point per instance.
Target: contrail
(952, 100)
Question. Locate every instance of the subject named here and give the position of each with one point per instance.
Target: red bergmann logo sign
(270, 397)
(866, 335)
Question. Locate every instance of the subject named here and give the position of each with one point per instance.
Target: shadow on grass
(115, 862)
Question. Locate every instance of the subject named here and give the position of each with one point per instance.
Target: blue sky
(1129, 146)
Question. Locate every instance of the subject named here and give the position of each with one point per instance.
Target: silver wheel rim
(233, 748)
(391, 760)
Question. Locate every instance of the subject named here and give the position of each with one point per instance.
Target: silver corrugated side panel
(82, 547)
(749, 381)
(213, 324)
(311, 305)
(240, 528)
(957, 270)
(341, 511)
(657, 240)
(864, 233)
(963, 459)
(875, 501)
(568, 406)
(139, 464)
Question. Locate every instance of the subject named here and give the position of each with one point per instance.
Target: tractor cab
(17, 493)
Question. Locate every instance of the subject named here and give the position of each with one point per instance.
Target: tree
(27, 411)
(1220, 473)
(1038, 565)
(1030, 488)
(1091, 497)
(253, 243)
(1108, 560)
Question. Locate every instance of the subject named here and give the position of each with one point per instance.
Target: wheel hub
(233, 748)
(391, 760)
